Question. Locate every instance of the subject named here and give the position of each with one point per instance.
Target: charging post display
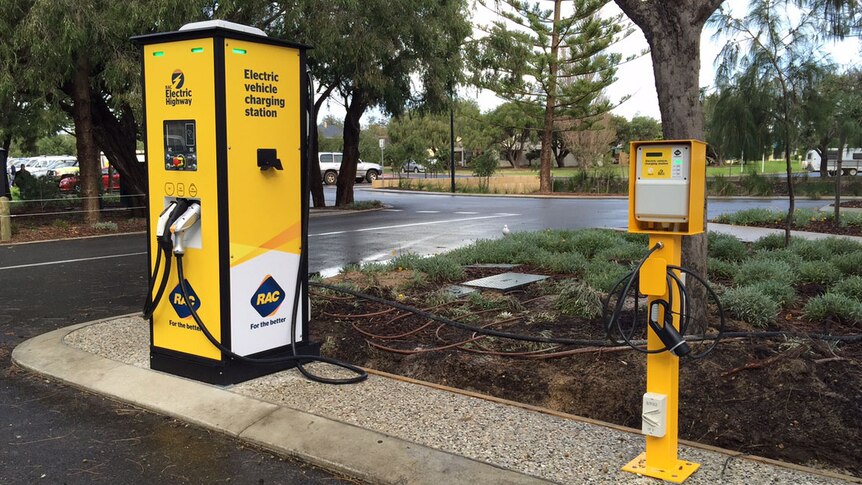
(667, 182)
(225, 113)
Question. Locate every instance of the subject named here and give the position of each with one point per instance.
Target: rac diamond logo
(179, 303)
(268, 297)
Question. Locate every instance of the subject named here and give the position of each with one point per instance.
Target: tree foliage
(638, 128)
(771, 53)
(391, 55)
(549, 63)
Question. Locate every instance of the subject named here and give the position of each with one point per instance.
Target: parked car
(330, 165)
(63, 168)
(71, 184)
(412, 166)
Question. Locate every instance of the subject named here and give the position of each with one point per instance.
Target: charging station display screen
(180, 145)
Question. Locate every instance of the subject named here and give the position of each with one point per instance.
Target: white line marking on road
(49, 263)
(467, 213)
(381, 228)
(427, 212)
(392, 210)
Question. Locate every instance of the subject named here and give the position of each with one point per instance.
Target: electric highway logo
(268, 297)
(175, 94)
(178, 79)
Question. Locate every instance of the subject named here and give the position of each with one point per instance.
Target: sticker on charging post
(268, 297)
(656, 164)
(179, 303)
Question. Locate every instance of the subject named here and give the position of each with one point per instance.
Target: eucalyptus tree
(776, 53)
(539, 57)
(389, 55)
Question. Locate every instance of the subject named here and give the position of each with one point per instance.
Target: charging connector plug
(667, 333)
(185, 222)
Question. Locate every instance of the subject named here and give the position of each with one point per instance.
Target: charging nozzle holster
(667, 333)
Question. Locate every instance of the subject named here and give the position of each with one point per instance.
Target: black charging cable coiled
(613, 318)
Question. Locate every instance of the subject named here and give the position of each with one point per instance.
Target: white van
(330, 164)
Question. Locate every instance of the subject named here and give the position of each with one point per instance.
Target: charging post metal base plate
(677, 473)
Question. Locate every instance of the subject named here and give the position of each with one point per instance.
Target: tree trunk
(117, 138)
(545, 184)
(788, 224)
(88, 155)
(316, 182)
(347, 173)
(824, 158)
(673, 30)
(5, 190)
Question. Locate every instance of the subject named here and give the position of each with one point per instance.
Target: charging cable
(164, 245)
(673, 340)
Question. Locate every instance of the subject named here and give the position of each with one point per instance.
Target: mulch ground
(34, 226)
(793, 400)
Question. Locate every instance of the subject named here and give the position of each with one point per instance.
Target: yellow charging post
(225, 117)
(666, 201)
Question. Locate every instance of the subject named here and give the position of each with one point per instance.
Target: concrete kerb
(368, 455)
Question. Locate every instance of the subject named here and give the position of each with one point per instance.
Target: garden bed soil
(850, 204)
(36, 227)
(824, 227)
(793, 400)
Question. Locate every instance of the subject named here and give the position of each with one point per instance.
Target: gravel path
(550, 447)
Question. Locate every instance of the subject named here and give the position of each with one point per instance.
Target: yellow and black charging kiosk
(667, 182)
(225, 117)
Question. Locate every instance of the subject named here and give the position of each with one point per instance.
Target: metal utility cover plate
(458, 290)
(506, 281)
(492, 266)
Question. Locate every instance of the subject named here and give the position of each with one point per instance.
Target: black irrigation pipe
(766, 335)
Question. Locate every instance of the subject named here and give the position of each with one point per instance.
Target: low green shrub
(849, 264)
(810, 250)
(850, 287)
(61, 224)
(804, 217)
(726, 247)
(784, 255)
(579, 300)
(573, 263)
(440, 268)
(754, 270)
(590, 241)
(106, 226)
(853, 219)
(404, 261)
(757, 184)
(750, 305)
(833, 306)
(624, 253)
(818, 272)
(841, 245)
(603, 275)
(778, 291)
(769, 242)
(717, 268)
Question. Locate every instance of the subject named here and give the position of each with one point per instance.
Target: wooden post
(5, 220)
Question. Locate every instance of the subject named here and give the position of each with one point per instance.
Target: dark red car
(71, 184)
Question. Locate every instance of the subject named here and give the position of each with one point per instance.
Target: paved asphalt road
(57, 434)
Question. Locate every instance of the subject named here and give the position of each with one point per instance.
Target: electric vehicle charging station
(225, 116)
(667, 182)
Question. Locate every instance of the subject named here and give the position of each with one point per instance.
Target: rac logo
(178, 79)
(179, 303)
(268, 297)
